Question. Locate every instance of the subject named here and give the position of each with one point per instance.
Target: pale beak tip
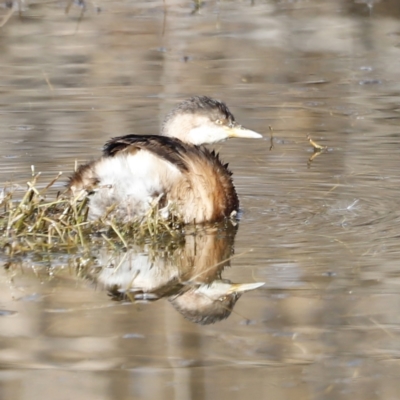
(244, 133)
(245, 287)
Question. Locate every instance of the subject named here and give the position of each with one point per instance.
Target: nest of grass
(37, 222)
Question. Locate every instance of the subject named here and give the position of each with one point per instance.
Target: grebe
(172, 169)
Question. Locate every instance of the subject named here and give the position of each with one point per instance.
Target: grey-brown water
(323, 234)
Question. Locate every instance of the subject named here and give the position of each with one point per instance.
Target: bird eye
(218, 122)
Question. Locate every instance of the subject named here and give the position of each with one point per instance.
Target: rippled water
(322, 234)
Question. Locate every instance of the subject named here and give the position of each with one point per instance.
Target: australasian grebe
(173, 169)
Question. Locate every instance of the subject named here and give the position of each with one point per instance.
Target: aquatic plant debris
(318, 149)
(271, 138)
(36, 221)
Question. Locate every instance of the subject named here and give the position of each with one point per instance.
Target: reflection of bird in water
(172, 169)
(189, 276)
(208, 303)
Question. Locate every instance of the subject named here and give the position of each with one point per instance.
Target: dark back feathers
(172, 150)
(169, 149)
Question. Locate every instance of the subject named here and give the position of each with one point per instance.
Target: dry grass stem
(30, 221)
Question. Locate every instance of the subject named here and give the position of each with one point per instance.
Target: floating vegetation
(318, 149)
(39, 222)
